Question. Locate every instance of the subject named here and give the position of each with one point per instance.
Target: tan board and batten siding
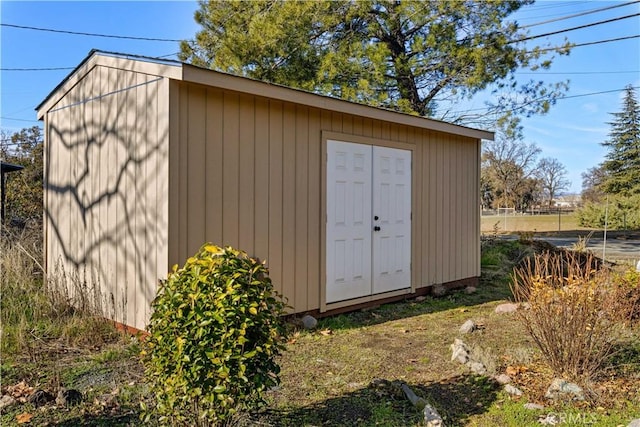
(146, 162)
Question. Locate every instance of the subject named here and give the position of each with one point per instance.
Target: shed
(349, 205)
(5, 168)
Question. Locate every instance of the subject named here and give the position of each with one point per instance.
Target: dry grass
(35, 312)
(327, 373)
(529, 223)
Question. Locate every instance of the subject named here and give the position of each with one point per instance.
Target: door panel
(392, 207)
(368, 232)
(348, 244)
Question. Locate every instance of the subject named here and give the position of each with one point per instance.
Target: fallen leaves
(514, 371)
(24, 418)
(20, 391)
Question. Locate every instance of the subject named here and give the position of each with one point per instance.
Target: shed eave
(168, 69)
(212, 78)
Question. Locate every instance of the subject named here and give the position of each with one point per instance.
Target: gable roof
(189, 73)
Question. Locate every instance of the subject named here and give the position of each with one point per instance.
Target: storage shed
(146, 160)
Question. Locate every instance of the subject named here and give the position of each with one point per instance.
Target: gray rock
(7, 401)
(468, 327)
(550, 420)
(563, 388)
(515, 391)
(431, 417)
(68, 397)
(420, 298)
(502, 379)
(40, 398)
(470, 290)
(508, 307)
(636, 422)
(438, 290)
(309, 322)
(459, 351)
(107, 401)
(533, 406)
(478, 368)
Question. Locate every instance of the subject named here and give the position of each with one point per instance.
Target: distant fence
(530, 211)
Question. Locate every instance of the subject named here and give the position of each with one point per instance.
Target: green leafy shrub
(622, 213)
(215, 332)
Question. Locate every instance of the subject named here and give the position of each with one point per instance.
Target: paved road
(619, 246)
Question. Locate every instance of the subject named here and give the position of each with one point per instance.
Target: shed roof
(189, 73)
(8, 167)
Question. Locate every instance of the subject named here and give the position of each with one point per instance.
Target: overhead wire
(581, 72)
(79, 33)
(575, 15)
(546, 98)
(17, 120)
(617, 39)
(541, 50)
(37, 69)
(593, 24)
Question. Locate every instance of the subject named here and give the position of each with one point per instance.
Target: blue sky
(571, 132)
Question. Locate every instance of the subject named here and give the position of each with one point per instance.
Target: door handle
(376, 228)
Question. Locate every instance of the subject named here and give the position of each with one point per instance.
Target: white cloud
(590, 107)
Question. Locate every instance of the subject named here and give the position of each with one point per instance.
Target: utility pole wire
(78, 33)
(592, 43)
(593, 24)
(575, 15)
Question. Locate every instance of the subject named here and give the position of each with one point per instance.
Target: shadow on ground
(456, 399)
(498, 259)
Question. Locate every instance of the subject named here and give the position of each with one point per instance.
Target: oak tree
(552, 176)
(508, 163)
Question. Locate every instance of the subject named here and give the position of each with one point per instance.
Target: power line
(547, 98)
(590, 43)
(575, 15)
(541, 50)
(593, 24)
(582, 72)
(18, 120)
(37, 69)
(78, 33)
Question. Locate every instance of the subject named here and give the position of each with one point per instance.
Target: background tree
(552, 176)
(414, 56)
(24, 189)
(592, 184)
(508, 163)
(622, 161)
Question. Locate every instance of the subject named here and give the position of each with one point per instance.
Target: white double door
(368, 230)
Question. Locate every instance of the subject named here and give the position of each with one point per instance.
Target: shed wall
(246, 171)
(106, 180)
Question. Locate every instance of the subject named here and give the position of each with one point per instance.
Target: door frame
(372, 141)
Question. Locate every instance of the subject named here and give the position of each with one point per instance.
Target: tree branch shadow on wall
(99, 212)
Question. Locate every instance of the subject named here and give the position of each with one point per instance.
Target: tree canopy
(508, 171)
(415, 56)
(24, 189)
(553, 177)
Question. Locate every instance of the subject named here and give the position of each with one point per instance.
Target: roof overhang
(188, 73)
(8, 167)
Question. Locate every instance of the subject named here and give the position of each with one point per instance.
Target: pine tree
(622, 162)
(420, 57)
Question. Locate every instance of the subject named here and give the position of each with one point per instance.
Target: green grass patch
(327, 373)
